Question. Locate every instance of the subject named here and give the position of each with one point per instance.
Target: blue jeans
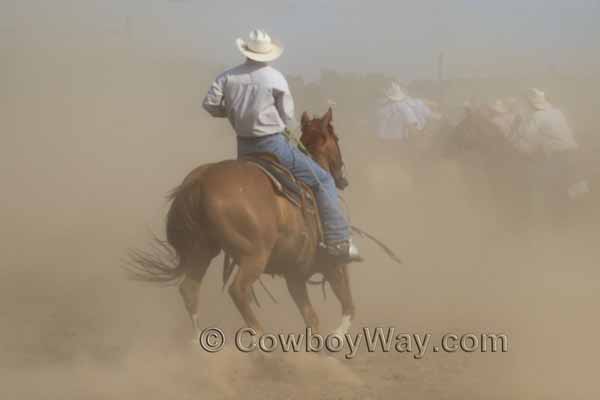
(335, 226)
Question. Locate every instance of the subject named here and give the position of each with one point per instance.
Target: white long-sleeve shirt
(395, 119)
(421, 111)
(547, 131)
(254, 97)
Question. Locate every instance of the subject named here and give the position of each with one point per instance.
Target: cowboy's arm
(410, 119)
(565, 131)
(285, 107)
(214, 102)
(284, 102)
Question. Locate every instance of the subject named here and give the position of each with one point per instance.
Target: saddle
(285, 183)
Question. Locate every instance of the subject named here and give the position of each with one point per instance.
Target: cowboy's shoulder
(274, 78)
(274, 72)
(236, 70)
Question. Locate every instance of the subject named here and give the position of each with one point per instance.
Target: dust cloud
(93, 137)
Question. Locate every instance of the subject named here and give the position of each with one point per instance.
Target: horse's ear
(305, 119)
(326, 120)
(329, 115)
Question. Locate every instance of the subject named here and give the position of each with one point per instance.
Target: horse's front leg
(338, 278)
(299, 292)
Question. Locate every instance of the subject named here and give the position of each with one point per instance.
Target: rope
(293, 136)
(378, 242)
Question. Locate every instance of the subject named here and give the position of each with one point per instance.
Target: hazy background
(399, 37)
(101, 117)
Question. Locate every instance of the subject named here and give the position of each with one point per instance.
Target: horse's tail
(160, 264)
(166, 261)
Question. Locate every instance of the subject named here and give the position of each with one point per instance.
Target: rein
(292, 136)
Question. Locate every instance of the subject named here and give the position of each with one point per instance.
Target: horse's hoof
(195, 341)
(339, 333)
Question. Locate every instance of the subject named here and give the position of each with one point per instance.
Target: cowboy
(397, 117)
(546, 137)
(545, 129)
(401, 115)
(256, 99)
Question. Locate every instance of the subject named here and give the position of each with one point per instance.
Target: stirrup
(343, 251)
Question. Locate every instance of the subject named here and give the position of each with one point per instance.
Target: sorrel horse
(232, 206)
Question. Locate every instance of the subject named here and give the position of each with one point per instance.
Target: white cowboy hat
(395, 92)
(537, 99)
(259, 46)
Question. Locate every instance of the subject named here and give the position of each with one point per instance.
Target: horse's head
(319, 138)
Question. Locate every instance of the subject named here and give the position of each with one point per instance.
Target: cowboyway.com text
(371, 339)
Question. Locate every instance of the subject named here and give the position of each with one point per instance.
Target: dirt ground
(87, 166)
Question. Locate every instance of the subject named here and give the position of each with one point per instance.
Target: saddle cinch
(286, 184)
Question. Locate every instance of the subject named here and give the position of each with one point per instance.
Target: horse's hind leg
(250, 269)
(340, 284)
(299, 292)
(189, 288)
